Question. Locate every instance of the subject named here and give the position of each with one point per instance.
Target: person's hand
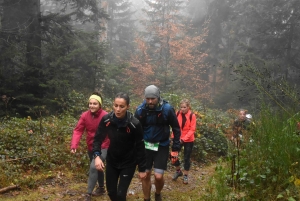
(73, 151)
(174, 156)
(99, 164)
(142, 175)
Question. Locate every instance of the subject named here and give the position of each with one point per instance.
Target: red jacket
(88, 122)
(188, 131)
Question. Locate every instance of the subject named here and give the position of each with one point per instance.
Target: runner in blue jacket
(156, 117)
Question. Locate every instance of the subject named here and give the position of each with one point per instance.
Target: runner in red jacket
(88, 122)
(187, 122)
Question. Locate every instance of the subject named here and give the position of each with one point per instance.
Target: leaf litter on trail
(74, 190)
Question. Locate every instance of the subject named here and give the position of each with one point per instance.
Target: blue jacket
(156, 124)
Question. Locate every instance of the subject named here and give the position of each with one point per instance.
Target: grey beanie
(152, 92)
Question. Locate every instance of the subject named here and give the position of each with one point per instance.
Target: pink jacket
(188, 131)
(88, 122)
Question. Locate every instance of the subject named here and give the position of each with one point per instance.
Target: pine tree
(44, 55)
(121, 28)
(21, 65)
(167, 54)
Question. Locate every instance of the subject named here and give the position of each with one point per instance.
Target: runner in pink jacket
(88, 123)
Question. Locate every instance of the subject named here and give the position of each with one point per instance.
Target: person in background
(156, 117)
(298, 128)
(240, 124)
(126, 149)
(187, 123)
(249, 116)
(88, 122)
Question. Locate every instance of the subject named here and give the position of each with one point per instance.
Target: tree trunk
(21, 44)
(33, 74)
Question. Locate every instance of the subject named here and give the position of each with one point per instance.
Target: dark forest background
(221, 54)
(226, 54)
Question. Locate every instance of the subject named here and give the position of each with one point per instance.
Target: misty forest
(222, 55)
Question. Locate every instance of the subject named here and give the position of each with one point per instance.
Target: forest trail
(63, 188)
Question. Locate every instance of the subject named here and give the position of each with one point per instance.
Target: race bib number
(151, 146)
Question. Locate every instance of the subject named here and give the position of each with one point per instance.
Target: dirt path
(61, 188)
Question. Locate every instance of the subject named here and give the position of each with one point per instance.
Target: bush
(210, 141)
(276, 145)
(30, 146)
(267, 167)
(38, 145)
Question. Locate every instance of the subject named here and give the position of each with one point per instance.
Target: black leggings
(118, 181)
(188, 147)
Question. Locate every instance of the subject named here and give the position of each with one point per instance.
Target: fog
(223, 54)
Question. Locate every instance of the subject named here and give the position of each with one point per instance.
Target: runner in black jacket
(126, 148)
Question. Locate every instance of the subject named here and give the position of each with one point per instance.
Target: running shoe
(99, 191)
(158, 197)
(185, 179)
(177, 174)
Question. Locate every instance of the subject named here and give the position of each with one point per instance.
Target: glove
(174, 156)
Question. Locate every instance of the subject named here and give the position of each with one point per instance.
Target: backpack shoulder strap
(142, 116)
(107, 121)
(191, 115)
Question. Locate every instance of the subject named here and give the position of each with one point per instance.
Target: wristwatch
(96, 154)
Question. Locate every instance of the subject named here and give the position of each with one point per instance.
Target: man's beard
(151, 106)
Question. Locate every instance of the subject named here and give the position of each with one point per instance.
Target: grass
(267, 166)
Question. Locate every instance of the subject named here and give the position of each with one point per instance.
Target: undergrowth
(26, 149)
(32, 149)
(266, 166)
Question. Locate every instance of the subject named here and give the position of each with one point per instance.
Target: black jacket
(240, 126)
(127, 146)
